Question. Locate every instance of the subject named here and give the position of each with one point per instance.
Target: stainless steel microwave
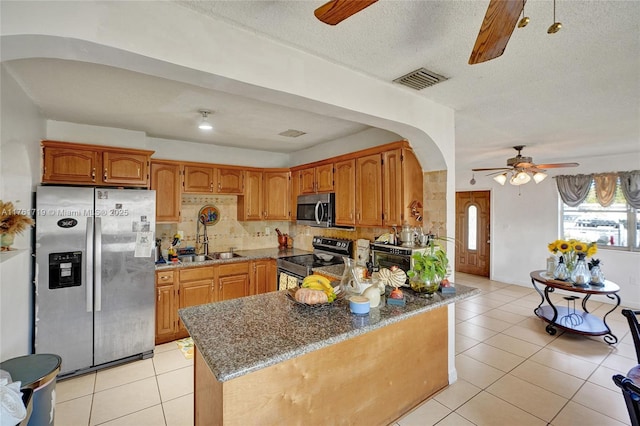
(317, 210)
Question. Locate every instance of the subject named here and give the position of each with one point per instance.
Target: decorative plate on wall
(209, 215)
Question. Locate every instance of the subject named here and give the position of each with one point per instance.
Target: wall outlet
(267, 231)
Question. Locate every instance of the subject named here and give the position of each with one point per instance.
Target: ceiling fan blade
(495, 31)
(490, 168)
(556, 165)
(336, 11)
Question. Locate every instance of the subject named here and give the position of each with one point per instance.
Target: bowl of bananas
(315, 291)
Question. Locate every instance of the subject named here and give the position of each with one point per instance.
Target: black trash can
(37, 372)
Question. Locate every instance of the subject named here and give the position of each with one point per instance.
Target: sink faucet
(201, 236)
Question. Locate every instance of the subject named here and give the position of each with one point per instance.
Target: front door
(473, 232)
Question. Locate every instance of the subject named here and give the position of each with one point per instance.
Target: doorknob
(488, 241)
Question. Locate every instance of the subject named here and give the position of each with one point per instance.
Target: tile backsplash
(224, 234)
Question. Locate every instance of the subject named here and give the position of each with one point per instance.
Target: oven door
(288, 279)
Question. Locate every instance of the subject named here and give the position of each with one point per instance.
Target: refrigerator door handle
(89, 263)
(97, 267)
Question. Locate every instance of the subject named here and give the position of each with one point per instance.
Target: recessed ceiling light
(204, 121)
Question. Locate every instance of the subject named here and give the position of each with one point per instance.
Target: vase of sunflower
(572, 250)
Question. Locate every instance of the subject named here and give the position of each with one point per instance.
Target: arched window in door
(472, 227)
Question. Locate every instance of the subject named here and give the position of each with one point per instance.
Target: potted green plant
(429, 269)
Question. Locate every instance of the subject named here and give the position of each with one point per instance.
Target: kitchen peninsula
(266, 357)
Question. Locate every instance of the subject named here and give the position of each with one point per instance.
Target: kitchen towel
(287, 281)
(12, 409)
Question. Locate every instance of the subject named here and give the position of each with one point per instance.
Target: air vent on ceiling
(291, 133)
(420, 78)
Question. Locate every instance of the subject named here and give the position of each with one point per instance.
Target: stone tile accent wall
(435, 202)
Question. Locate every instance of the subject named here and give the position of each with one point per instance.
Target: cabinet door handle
(93, 174)
(158, 295)
(219, 186)
(211, 187)
(105, 173)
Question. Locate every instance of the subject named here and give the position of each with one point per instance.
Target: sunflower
(592, 249)
(579, 246)
(564, 246)
(553, 247)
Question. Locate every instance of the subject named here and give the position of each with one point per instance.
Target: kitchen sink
(222, 255)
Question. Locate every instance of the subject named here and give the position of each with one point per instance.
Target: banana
(318, 282)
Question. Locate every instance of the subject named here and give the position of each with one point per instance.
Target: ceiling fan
(521, 169)
(498, 24)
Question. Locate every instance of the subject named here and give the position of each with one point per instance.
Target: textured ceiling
(572, 94)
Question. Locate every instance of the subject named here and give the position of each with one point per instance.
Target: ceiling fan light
(539, 176)
(204, 121)
(501, 179)
(520, 178)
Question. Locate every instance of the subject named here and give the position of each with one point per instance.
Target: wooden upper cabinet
(316, 179)
(307, 181)
(295, 191)
(229, 181)
(198, 179)
(392, 187)
(412, 187)
(250, 206)
(267, 196)
(125, 168)
(369, 190)
(66, 165)
(165, 180)
(72, 163)
(345, 187)
(277, 195)
(324, 178)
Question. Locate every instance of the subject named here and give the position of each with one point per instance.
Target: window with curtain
(604, 216)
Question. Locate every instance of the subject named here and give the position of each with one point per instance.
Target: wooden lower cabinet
(233, 281)
(179, 288)
(166, 307)
(263, 276)
(195, 287)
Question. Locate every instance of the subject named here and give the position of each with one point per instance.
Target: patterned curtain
(573, 189)
(605, 187)
(630, 185)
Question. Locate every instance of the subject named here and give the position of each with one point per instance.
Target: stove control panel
(335, 245)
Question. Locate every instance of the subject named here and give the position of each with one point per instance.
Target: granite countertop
(238, 336)
(245, 255)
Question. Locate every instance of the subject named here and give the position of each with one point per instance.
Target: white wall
(361, 140)
(21, 130)
(523, 225)
(164, 148)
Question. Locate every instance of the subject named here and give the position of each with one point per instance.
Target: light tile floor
(510, 372)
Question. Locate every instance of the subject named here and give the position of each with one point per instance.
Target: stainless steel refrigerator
(94, 277)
